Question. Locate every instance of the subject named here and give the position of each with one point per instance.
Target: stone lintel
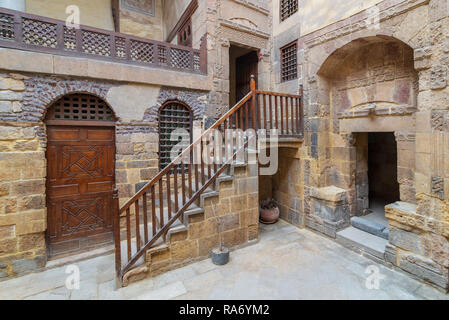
(378, 124)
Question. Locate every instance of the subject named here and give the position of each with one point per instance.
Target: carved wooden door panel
(80, 182)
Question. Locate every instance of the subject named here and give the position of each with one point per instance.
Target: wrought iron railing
(148, 215)
(29, 32)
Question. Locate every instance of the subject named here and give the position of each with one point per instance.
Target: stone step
(371, 227)
(361, 241)
(166, 218)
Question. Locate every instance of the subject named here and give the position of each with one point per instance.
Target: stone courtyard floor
(287, 263)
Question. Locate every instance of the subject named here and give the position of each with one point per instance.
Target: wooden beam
(115, 5)
(184, 17)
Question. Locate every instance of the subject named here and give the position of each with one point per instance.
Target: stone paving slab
(287, 263)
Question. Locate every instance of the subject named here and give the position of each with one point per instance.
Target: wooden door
(80, 182)
(246, 66)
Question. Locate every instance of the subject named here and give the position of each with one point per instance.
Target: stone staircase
(367, 235)
(159, 258)
(171, 220)
(363, 243)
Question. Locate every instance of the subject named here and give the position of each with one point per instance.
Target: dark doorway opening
(382, 174)
(382, 168)
(376, 181)
(243, 64)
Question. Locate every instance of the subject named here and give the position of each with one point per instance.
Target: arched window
(172, 115)
(80, 107)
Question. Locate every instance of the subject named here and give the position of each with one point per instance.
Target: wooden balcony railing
(24, 31)
(145, 218)
(281, 112)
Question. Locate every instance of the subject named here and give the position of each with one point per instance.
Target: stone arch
(350, 45)
(372, 75)
(81, 106)
(368, 84)
(321, 52)
(42, 92)
(195, 100)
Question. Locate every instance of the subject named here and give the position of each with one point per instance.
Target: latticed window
(289, 64)
(173, 115)
(288, 7)
(84, 107)
(185, 34)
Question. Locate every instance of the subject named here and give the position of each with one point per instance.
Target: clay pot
(269, 216)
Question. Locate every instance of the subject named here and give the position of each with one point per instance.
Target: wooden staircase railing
(173, 190)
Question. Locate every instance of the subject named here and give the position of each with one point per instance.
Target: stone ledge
(331, 194)
(33, 62)
(402, 206)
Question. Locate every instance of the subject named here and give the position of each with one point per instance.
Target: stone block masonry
(22, 200)
(237, 210)
(392, 79)
(136, 158)
(24, 99)
(22, 184)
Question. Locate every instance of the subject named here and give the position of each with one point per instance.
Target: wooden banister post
(253, 101)
(301, 109)
(118, 251)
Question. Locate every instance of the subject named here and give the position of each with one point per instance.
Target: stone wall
(22, 183)
(173, 11)
(237, 210)
(413, 106)
(24, 99)
(22, 199)
(96, 13)
(244, 23)
(143, 24)
(287, 186)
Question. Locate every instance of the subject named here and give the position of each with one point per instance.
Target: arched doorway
(369, 88)
(80, 174)
(173, 115)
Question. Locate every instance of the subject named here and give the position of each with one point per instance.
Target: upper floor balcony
(30, 32)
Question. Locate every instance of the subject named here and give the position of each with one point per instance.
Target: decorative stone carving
(438, 77)
(422, 58)
(236, 33)
(244, 22)
(440, 120)
(402, 136)
(377, 109)
(358, 23)
(438, 187)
